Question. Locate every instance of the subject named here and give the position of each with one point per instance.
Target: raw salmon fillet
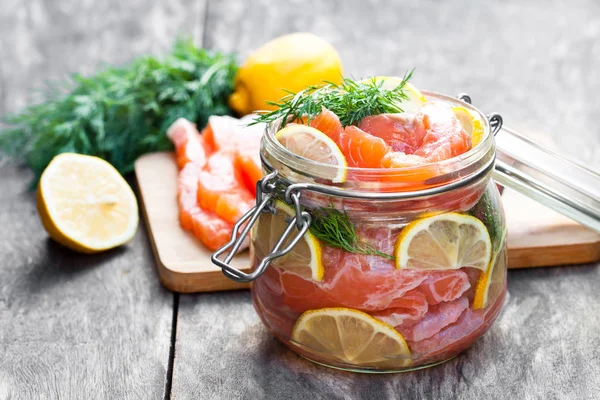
(437, 318)
(432, 134)
(410, 309)
(445, 137)
(445, 285)
(221, 132)
(248, 153)
(212, 189)
(220, 189)
(362, 282)
(401, 131)
(243, 141)
(250, 166)
(212, 231)
(463, 330)
(190, 146)
(360, 148)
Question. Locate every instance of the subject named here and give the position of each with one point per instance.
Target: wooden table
(101, 327)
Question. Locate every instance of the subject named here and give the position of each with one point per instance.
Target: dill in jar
(350, 100)
(334, 228)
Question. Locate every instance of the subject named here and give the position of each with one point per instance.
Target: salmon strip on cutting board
(221, 189)
(192, 154)
(190, 145)
(226, 133)
(212, 230)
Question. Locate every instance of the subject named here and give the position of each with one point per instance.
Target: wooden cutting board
(537, 235)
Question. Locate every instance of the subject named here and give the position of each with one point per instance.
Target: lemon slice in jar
(351, 336)
(471, 123)
(415, 98)
(305, 257)
(85, 204)
(314, 145)
(443, 241)
(490, 285)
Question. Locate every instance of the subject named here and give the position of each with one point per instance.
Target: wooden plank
(540, 237)
(183, 262)
(78, 326)
(493, 51)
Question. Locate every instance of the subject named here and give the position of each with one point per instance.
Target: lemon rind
(336, 312)
(68, 236)
(482, 287)
(316, 252)
(416, 226)
(342, 166)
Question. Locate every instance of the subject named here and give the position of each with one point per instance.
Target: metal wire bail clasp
(494, 119)
(266, 190)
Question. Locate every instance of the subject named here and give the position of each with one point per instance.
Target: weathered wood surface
(533, 61)
(75, 326)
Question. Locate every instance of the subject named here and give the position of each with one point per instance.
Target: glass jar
(388, 270)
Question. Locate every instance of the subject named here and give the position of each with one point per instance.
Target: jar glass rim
(306, 170)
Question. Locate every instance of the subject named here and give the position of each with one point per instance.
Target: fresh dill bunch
(334, 228)
(350, 100)
(121, 113)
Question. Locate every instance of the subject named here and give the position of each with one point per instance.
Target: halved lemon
(313, 144)
(415, 98)
(444, 241)
(491, 282)
(304, 259)
(85, 204)
(351, 336)
(471, 123)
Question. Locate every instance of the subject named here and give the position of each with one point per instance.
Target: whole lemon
(291, 62)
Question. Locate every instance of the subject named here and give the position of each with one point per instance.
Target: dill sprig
(121, 113)
(486, 210)
(334, 228)
(350, 100)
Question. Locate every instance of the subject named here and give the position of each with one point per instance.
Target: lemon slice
(415, 98)
(313, 144)
(444, 241)
(490, 284)
(85, 204)
(471, 123)
(351, 336)
(304, 259)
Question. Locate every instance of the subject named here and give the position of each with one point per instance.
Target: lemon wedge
(471, 123)
(415, 98)
(491, 282)
(305, 258)
(314, 145)
(85, 204)
(351, 336)
(443, 241)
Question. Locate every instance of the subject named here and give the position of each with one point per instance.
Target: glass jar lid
(545, 176)
(548, 178)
